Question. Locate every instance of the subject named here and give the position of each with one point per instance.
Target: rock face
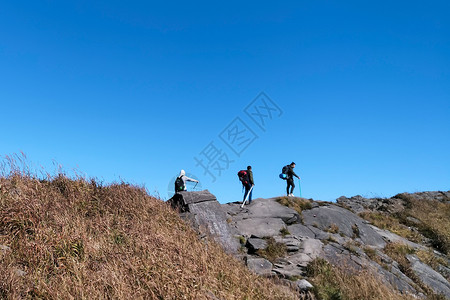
(333, 232)
(332, 217)
(430, 277)
(205, 214)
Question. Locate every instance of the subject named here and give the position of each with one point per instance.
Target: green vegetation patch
(273, 250)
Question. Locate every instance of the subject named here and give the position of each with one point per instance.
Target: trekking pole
(300, 188)
(195, 186)
(246, 197)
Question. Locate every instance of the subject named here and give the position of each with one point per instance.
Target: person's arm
(190, 179)
(250, 179)
(293, 173)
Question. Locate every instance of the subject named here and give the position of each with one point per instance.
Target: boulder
(255, 244)
(260, 266)
(286, 269)
(326, 216)
(259, 227)
(303, 285)
(301, 260)
(261, 209)
(300, 230)
(205, 214)
(394, 238)
(292, 243)
(430, 277)
(312, 247)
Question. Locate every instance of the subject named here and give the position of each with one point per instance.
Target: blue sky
(135, 90)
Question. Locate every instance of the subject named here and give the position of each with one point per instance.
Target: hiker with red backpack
(287, 173)
(246, 178)
(180, 182)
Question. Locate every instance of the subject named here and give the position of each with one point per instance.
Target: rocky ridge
(330, 231)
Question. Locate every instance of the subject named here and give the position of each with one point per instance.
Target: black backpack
(243, 177)
(179, 184)
(284, 171)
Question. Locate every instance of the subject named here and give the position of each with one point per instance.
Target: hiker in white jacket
(180, 182)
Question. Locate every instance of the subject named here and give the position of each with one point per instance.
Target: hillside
(357, 248)
(64, 238)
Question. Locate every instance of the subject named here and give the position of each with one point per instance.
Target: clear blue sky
(134, 90)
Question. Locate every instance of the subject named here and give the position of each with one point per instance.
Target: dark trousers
(247, 189)
(291, 184)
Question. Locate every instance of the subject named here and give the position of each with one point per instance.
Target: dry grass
(392, 224)
(273, 250)
(432, 260)
(434, 217)
(398, 252)
(333, 228)
(297, 204)
(338, 283)
(77, 239)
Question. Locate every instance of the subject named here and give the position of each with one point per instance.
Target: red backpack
(243, 177)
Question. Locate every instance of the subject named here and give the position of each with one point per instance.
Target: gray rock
(19, 272)
(292, 243)
(413, 220)
(319, 234)
(182, 199)
(394, 238)
(287, 269)
(359, 204)
(324, 216)
(4, 249)
(428, 196)
(355, 203)
(263, 208)
(299, 259)
(430, 277)
(259, 227)
(304, 285)
(339, 256)
(300, 230)
(255, 244)
(205, 214)
(312, 247)
(445, 271)
(314, 205)
(395, 277)
(260, 266)
(213, 220)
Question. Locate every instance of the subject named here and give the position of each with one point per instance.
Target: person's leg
(245, 194)
(287, 187)
(292, 186)
(250, 196)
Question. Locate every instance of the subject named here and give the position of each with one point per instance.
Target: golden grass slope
(77, 239)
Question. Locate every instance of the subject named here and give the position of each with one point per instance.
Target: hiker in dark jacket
(249, 184)
(290, 179)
